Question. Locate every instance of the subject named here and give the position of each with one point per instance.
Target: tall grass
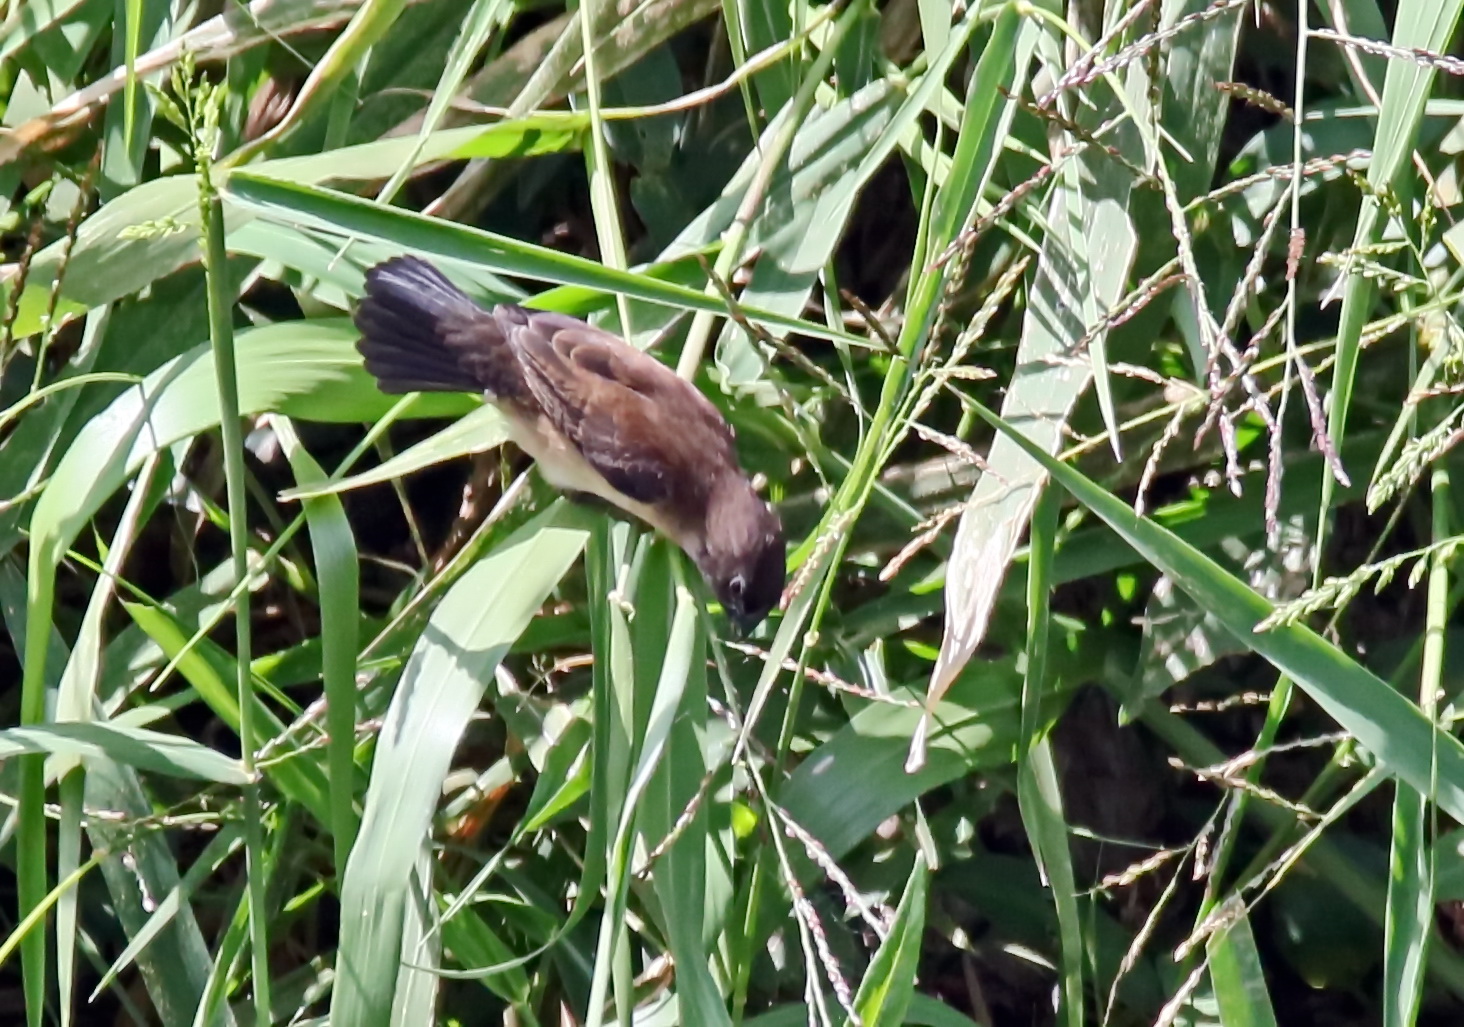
(1103, 362)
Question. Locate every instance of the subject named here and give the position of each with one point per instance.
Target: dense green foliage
(1102, 360)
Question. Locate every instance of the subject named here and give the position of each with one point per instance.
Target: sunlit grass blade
(1038, 790)
(1412, 882)
(341, 215)
(681, 644)
(1088, 247)
(1236, 972)
(888, 985)
(453, 663)
(480, 430)
(211, 670)
(369, 23)
(135, 746)
(1422, 25)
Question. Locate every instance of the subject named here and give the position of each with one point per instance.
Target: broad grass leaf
(682, 876)
(1051, 375)
(548, 132)
(211, 672)
(333, 545)
(846, 787)
(305, 368)
(139, 237)
(156, 927)
(303, 206)
(455, 658)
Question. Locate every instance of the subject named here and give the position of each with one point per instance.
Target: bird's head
(743, 556)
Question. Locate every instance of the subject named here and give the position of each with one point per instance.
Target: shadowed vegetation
(1103, 362)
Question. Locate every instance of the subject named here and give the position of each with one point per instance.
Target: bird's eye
(737, 586)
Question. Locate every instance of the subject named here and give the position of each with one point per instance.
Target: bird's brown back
(649, 432)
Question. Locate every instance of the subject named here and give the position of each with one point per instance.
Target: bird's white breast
(566, 469)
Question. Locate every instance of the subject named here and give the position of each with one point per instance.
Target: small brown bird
(598, 415)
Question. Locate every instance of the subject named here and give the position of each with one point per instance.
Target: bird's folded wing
(649, 433)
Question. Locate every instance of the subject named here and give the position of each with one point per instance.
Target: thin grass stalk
(852, 495)
(73, 224)
(31, 870)
(271, 554)
(1324, 858)
(1038, 790)
(1281, 694)
(221, 339)
(33, 922)
(732, 18)
(598, 166)
(1411, 883)
(30, 840)
(690, 358)
(735, 238)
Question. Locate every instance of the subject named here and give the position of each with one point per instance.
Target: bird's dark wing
(649, 433)
(421, 333)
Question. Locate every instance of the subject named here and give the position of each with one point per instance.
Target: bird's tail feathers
(405, 317)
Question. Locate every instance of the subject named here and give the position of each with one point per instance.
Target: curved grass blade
(132, 746)
(1236, 972)
(478, 431)
(843, 789)
(340, 215)
(666, 701)
(1089, 246)
(1421, 25)
(1384, 722)
(210, 670)
(308, 369)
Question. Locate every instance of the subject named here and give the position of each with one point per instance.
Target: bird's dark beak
(742, 626)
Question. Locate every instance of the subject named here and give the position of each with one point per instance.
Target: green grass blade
(133, 746)
(889, 983)
(481, 430)
(453, 662)
(220, 847)
(1384, 722)
(1419, 24)
(336, 567)
(1411, 883)
(209, 669)
(1038, 794)
(485, 16)
(1001, 69)
(682, 875)
(340, 215)
(348, 50)
(1237, 973)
